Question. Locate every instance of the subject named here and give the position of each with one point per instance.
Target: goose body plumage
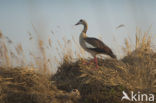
(93, 45)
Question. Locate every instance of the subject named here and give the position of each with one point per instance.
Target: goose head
(83, 22)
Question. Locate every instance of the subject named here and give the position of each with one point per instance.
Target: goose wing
(98, 46)
(93, 43)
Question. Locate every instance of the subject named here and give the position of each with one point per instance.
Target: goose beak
(77, 23)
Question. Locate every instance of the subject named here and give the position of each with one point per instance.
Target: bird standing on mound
(92, 45)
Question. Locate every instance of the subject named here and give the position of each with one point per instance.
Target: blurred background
(44, 29)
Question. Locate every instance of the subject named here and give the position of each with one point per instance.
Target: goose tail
(112, 55)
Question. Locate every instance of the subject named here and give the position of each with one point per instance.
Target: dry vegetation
(76, 82)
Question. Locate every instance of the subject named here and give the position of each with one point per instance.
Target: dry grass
(34, 84)
(136, 71)
(106, 84)
(24, 85)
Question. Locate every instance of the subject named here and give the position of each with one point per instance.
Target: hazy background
(59, 16)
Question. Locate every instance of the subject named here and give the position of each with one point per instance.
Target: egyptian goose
(92, 45)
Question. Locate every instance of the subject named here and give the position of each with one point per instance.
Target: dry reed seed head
(19, 49)
(40, 43)
(30, 36)
(6, 55)
(128, 47)
(67, 59)
(12, 54)
(1, 35)
(50, 42)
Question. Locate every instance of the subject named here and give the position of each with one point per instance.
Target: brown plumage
(99, 46)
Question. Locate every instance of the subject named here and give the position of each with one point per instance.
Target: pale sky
(59, 16)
